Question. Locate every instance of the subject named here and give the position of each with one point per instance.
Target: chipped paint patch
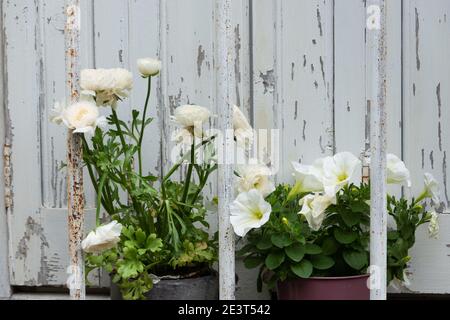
(268, 80)
(200, 59)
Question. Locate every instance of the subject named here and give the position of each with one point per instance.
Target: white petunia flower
(432, 188)
(81, 117)
(106, 85)
(433, 227)
(255, 177)
(308, 178)
(314, 208)
(337, 171)
(249, 211)
(103, 238)
(149, 67)
(243, 131)
(397, 172)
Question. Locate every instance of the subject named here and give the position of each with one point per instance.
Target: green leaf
(296, 252)
(275, 259)
(329, 246)
(312, 249)
(303, 270)
(252, 262)
(281, 240)
(392, 235)
(264, 244)
(356, 259)
(360, 207)
(140, 236)
(351, 218)
(322, 262)
(345, 237)
(153, 243)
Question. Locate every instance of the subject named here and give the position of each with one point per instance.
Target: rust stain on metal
(75, 191)
(7, 174)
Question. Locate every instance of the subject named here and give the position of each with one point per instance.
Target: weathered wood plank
(426, 131)
(5, 288)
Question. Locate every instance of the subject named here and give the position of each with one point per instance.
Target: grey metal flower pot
(201, 288)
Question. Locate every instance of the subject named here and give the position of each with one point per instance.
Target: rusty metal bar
(225, 181)
(75, 192)
(376, 46)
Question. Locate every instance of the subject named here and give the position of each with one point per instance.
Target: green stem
(141, 134)
(189, 173)
(99, 199)
(119, 129)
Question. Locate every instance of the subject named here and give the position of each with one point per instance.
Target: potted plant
(310, 240)
(157, 245)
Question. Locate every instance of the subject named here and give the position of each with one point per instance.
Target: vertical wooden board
(350, 67)
(144, 42)
(111, 41)
(304, 73)
(426, 132)
(5, 288)
(350, 76)
(27, 242)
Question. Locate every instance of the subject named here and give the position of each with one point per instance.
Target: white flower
(243, 131)
(433, 227)
(314, 208)
(255, 177)
(432, 188)
(103, 238)
(337, 171)
(81, 117)
(149, 67)
(107, 85)
(397, 172)
(249, 211)
(308, 178)
(191, 119)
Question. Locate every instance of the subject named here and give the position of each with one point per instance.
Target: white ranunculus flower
(149, 67)
(314, 208)
(243, 131)
(337, 171)
(433, 227)
(191, 119)
(103, 238)
(432, 188)
(397, 172)
(81, 117)
(255, 177)
(106, 85)
(249, 211)
(308, 178)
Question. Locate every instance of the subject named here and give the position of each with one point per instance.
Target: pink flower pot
(333, 288)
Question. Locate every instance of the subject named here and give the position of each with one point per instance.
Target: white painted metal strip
(376, 34)
(225, 182)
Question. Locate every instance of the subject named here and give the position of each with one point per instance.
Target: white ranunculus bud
(191, 119)
(106, 85)
(397, 172)
(149, 67)
(255, 177)
(103, 238)
(249, 211)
